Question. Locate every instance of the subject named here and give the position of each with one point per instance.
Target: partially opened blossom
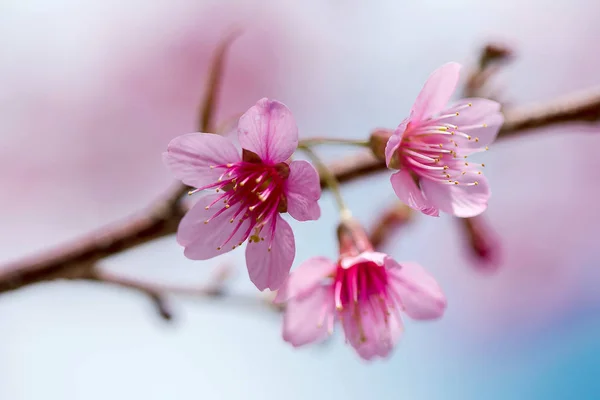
(365, 291)
(430, 149)
(252, 188)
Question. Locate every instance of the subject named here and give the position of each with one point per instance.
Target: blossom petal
(436, 92)
(487, 131)
(269, 130)
(201, 240)
(190, 156)
(479, 109)
(394, 142)
(309, 318)
(419, 293)
(460, 200)
(269, 268)
(372, 333)
(483, 126)
(365, 256)
(410, 194)
(303, 191)
(304, 278)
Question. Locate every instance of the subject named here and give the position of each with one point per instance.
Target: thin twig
(159, 291)
(393, 218)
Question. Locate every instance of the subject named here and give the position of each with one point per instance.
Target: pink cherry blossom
(365, 292)
(430, 149)
(253, 188)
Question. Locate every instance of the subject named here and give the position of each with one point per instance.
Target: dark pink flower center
(359, 283)
(255, 191)
(362, 292)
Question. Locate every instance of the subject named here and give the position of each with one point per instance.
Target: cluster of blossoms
(364, 290)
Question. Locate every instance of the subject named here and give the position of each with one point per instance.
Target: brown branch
(162, 218)
(77, 259)
(578, 107)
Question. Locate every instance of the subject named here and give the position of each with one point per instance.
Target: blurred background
(92, 92)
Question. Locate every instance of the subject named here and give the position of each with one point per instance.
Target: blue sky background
(528, 332)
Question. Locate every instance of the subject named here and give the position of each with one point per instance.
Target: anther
(229, 165)
(476, 183)
(467, 164)
(205, 222)
(470, 104)
(487, 148)
(227, 206)
(457, 114)
(484, 125)
(482, 164)
(468, 137)
(441, 147)
(231, 221)
(456, 182)
(477, 139)
(212, 167)
(464, 172)
(207, 207)
(219, 248)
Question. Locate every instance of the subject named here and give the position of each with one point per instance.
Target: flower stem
(318, 140)
(329, 178)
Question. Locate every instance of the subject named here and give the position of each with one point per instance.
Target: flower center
(254, 190)
(360, 292)
(437, 150)
(359, 284)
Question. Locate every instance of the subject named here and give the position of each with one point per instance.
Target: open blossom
(252, 190)
(365, 291)
(430, 149)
